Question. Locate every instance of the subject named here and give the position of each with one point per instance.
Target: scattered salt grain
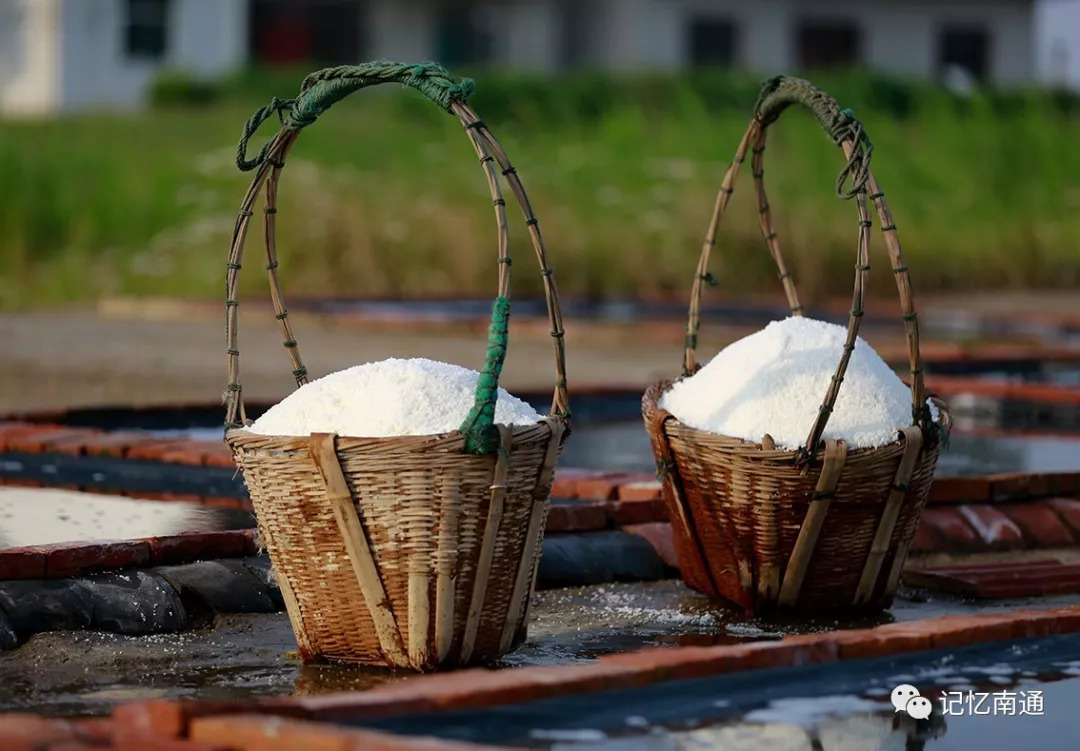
(774, 381)
(387, 398)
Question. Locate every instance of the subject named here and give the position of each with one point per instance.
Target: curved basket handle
(318, 92)
(840, 124)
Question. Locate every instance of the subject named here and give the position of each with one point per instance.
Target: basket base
(747, 604)
(380, 664)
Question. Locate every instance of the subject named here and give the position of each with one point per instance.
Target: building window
(146, 28)
(966, 48)
(314, 32)
(712, 41)
(465, 36)
(827, 44)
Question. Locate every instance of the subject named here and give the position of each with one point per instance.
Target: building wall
(897, 35)
(1058, 52)
(400, 30)
(29, 56)
(203, 37)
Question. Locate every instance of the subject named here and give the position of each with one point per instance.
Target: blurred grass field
(383, 198)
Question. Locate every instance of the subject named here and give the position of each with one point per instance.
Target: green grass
(382, 197)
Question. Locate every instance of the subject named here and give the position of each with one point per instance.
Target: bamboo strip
(799, 563)
(523, 581)
(446, 566)
(324, 455)
(674, 488)
(419, 616)
(897, 568)
(487, 548)
(913, 439)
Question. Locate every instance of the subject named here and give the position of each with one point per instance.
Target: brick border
(67, 559)
(479, 688)
(28, 732)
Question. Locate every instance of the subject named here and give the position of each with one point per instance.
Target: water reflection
(41, 516)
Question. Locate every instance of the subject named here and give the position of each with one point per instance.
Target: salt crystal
(387, 398)
(774, 381)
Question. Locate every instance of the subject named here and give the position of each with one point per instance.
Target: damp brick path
(322, 722)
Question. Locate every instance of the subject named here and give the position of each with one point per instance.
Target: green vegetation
(382, 197)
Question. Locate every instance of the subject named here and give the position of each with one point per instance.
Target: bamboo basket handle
(841, 126)
(318, 92)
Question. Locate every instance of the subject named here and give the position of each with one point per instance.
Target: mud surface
(79, 673)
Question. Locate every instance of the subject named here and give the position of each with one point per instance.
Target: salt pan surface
(774, 381)
(387, 398)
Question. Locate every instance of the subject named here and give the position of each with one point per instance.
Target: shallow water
(1033, 688)
(41, 516)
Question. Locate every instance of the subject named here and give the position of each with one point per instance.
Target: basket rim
(651, 402)
(407, 441)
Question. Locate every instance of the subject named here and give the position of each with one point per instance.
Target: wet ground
(78, 673)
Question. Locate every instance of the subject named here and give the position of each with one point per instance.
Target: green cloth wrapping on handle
(481, 437)
(321, 89)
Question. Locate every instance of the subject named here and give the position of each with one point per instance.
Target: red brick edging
(78, 558)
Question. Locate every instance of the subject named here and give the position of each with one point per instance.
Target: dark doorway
(464, 35)
(712, 41)
(326, 32)
(823, 45)
(967, 48)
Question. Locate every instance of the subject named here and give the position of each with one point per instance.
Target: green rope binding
(481, 437)
(321, 89)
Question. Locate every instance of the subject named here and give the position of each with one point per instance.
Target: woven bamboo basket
(823, 528)
(416, 552)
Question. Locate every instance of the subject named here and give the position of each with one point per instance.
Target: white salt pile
(387, 398)
(774, 381)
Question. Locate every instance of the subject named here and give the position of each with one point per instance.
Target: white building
(1000, 41)
(78, 54)
(72, 54)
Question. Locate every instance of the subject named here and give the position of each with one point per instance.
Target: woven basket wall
(416, 552)
(747, 506)
(425, 509)
(821, 528)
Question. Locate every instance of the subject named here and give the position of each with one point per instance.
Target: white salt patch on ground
(748, 630)
(774, 381)
(41, 516)
(668, 617)
(387, 398)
